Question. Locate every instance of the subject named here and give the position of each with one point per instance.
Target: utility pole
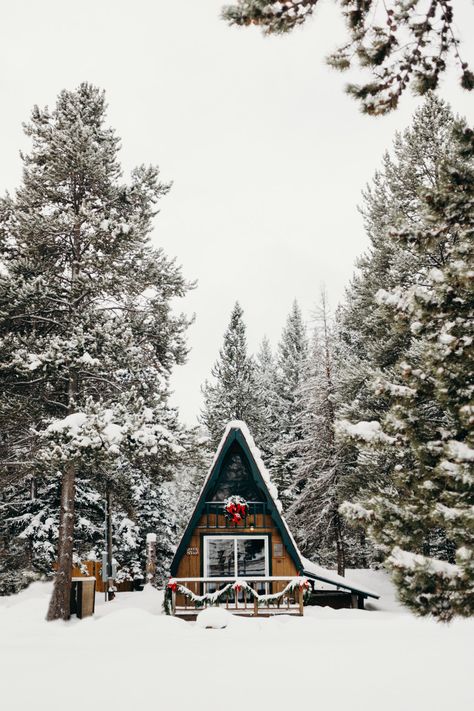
(107, 559)
(150, 557)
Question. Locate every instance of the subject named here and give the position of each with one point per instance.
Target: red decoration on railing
(235, 508)
(173, 585)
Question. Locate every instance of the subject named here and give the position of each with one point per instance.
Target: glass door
(236, 557)
(251, 557)
(219, 557)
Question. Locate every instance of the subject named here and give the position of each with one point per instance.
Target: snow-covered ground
(130, 656)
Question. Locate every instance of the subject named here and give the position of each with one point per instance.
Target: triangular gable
(236, 478)
(237, 432)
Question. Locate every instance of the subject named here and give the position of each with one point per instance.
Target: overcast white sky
(267, 154)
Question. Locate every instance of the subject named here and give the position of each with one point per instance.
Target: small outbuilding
(237, 550)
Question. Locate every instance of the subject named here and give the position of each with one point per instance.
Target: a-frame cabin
(249, 561)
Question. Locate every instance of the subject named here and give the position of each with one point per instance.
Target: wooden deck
(245, 597)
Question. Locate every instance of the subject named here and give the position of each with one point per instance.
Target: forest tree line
(363, 415)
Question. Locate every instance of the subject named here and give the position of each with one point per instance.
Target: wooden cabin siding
(191, 565)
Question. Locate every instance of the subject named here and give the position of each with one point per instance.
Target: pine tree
(29, 527)
(266, 374)
(151, 505)
(400, 43)
(291, 373)
(151, 510)
(30, 521)
(28, 533)
(185, 486)
(233, 394)
(321, 465)
(370, 342)
(87, 333)
(429, 425)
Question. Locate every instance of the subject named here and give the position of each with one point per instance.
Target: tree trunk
(30, 544)
(340, 548)
(59, 606)
(363, 550)
(110, 580)
(341, 558)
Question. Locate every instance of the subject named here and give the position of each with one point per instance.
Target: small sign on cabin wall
(192, 551)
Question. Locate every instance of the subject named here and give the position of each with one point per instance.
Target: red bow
(173, 585)
(236, 511)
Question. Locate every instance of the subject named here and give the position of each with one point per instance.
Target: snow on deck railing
(238, 594)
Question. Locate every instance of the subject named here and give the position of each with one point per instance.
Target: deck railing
(213, 516)
(251, 596)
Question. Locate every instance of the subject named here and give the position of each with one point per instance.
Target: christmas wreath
(235, 508)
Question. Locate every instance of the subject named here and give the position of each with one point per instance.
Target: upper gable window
(235, 478)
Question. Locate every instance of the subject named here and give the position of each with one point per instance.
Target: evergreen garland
(222, 595)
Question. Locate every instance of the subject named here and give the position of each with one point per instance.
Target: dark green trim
(235, 435)
(201, 555)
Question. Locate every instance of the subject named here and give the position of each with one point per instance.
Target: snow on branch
(366, 431)
(412, 561)
(108, 431)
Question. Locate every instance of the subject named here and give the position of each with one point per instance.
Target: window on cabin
(235, 556)
(251, 557)
(220, 557)
(235, 478)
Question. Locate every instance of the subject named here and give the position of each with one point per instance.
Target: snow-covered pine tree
(265, 372)
(87, 333)
(398, 43)
(321, 464)
(233, 393)
(430, 423)
(30, 522)
(370, 342)
(22, 510)
(188, 478)
(290, 374)
(150, 510)
(142, 502)
(150, 505)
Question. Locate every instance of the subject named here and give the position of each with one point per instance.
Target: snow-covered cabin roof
(238, 431)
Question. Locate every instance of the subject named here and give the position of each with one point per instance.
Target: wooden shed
(94, 568)
(237, 549)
